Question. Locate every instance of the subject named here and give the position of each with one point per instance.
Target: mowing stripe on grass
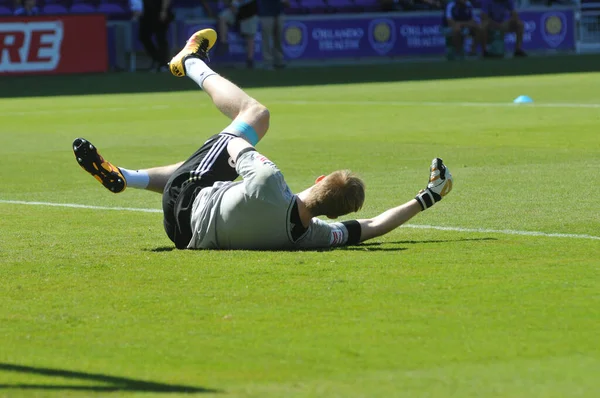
(84, 110)
(301, 102)
(442, 104)
(416, 226)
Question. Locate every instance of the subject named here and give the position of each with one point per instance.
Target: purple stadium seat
(315, 6)
(343, 5)
(54, 9)
(81, 8)
(294, 8)
(368, 5)
(5, 10)
(112, 8)
(121, 3)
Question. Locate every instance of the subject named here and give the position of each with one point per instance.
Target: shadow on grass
(415, 242)
(376, 246)
(371, 246)
(114, 383)
(161, 249)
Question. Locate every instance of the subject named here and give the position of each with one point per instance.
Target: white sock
(197, 70)
(136, 178)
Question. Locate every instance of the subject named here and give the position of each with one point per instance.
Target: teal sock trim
(238, 127)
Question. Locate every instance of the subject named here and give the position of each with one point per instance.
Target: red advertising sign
(60, 44)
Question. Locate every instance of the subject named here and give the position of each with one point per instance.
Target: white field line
(78, 206)
(318, 102)
(416, 226)
(503, 231)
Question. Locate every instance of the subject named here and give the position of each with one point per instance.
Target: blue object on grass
(523, 99)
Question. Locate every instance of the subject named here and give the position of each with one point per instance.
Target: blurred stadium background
(315, 31)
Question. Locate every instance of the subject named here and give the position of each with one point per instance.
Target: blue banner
(406, 35)
(381, 35)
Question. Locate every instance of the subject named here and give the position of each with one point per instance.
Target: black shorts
(206, 166)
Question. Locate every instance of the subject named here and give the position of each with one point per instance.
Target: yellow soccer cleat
(197, 46)
(91, 161)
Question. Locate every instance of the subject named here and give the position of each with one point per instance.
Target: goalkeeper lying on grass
(204, 209)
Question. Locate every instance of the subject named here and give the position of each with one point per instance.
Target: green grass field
(503, 302)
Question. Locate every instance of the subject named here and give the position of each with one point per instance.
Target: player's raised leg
(251, 119)
(116, 179)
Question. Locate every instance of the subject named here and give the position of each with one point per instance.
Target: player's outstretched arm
(440, 184)
(388, 220)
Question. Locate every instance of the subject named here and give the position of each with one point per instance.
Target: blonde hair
(339, 193)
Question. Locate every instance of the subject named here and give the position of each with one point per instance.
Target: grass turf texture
(95, 301)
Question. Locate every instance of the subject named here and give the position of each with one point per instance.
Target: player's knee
(261, 116)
